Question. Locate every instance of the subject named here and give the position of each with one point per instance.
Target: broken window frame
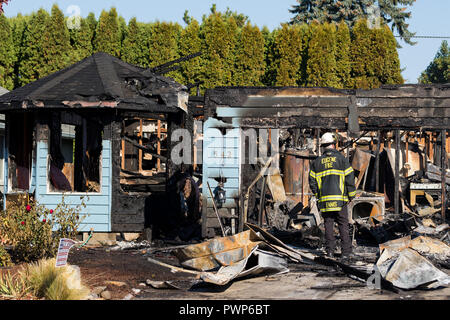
(161, 134)
(27, 119)
(79, 121)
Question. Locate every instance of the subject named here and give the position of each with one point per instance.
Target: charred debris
(395, 138)
(103, 127)
(397, 142)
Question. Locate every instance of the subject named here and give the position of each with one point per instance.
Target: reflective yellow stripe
(329, 172)
(331, 209)
(352, 194)
(312, 174)
(330, 198)
(348, 171)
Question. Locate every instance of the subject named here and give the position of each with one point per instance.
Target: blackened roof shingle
(99, 78)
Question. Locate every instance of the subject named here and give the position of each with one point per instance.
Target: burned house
(396, 138)
(95, 132)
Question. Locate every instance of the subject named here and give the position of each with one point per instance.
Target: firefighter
(331, 180)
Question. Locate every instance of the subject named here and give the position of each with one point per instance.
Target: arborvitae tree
(343, 63)
(7, 54)
(135, 48)
(92, 22)
(388, 11)
(18, 25)
(321, 64)
(288, 48)
(219, 40)
(81, 41)
(390, 72)
(438, 71)
(374, 57)
(163, 45)
(231, 41)
(123, 28)
(250, 64)
(56, 45)
(269, 77)
(240, 19)
(108, 35)
(190, 43)
(363, 57)
(31, 61)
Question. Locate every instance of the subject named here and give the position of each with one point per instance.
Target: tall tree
(389, 60)
(108, 34)
(321, 64)
(374, 57)
(56, 45)
(92, 22)
(81, 41)
(31, 61)
(163, 45)
(389, 11)
(18, 25)
(270, 74)
(438, 71)
(343, 63)
(361, 51)
(7, 54)
(250, 64)
(135, 49)
(219, 36)
(289, 46)
(190, 42)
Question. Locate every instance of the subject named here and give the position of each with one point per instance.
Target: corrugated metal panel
(97, 204)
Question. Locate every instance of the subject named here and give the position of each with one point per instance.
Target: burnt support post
(397, 172)
(318, 142)
(443, 172)
(377, 163)
(426, 150)
(262, 201)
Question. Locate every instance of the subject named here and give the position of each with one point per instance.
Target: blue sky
(429, 17)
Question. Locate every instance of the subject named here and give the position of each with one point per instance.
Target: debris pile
(404, 263)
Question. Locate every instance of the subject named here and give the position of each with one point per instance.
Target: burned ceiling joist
(403, 106)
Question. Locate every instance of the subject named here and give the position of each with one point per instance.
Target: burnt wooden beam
(143, 148)
(397, 172)
(443, 172)
(377, 163)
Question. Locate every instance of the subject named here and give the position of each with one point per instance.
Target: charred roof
(100, 80)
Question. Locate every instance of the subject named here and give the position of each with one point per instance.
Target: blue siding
(221, 157)
(98, 205)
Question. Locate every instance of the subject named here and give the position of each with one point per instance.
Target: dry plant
(43, 280)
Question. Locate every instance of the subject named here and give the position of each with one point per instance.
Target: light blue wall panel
(97, 204)
(221, 157)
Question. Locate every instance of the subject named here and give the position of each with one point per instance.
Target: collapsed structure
(80, 135)
(395, 137)
(103, 128)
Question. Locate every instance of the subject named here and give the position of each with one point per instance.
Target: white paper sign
(63, 251)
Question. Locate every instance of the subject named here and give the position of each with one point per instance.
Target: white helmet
(328, 138)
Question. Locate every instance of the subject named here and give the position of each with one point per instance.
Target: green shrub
(5, 258)
(34, 231)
